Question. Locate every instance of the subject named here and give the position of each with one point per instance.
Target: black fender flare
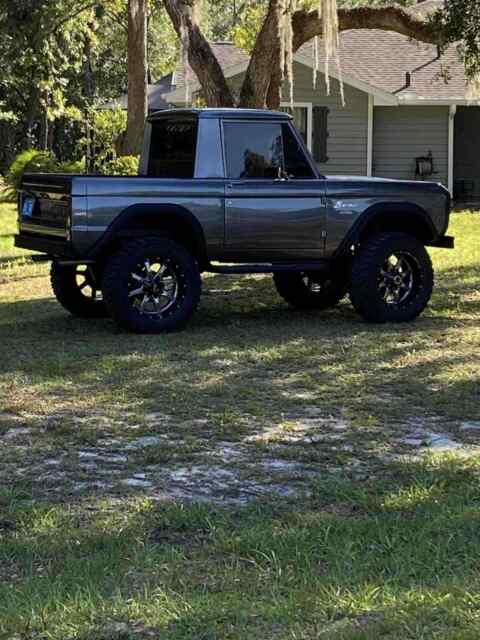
(152, 219)
(389, 209)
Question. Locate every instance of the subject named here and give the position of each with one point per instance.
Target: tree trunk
(137, 76)
(184, 17)
(265, 71)
(32, 113)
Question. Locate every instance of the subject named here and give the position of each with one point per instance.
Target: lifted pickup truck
(231, 191)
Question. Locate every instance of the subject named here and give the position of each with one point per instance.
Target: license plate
(27, 206)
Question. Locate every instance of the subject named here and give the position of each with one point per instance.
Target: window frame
(279, 122)
(309, 107)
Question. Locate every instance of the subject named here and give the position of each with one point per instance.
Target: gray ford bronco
(231, 191)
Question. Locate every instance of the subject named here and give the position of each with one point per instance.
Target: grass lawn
(266, 473)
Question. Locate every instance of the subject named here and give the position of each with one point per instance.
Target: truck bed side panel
(108, 197)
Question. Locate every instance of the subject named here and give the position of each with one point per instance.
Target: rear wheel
(77, 289)
(310, 290)
(152, 285)
(392, 278)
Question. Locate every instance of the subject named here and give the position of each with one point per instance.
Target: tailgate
(44, 205)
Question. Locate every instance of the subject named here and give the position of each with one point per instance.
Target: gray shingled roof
(156, 93)
(378, 58)
(383, 58)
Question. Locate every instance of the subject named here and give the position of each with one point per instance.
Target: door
(274, 202)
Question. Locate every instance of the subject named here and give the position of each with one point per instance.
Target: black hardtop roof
(240, 114)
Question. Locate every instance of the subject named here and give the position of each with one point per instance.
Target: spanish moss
(473, 88)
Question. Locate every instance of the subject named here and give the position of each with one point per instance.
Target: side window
(253, 149)
(173, 147)
(296, 163)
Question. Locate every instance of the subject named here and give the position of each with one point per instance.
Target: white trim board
(451, 146)
(370, 137)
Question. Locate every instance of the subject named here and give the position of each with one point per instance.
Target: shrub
(107, 127)
(35, 161)
(73, 166)
(27, 161)
(121, 166)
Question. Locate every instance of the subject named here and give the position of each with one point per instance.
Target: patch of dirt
(187, 460)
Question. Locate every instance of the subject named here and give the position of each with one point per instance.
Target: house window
(312, 124)
(302, 117)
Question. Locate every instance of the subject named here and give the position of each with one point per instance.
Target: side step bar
(276, 267)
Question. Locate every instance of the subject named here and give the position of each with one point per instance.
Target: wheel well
(181, 227)
(413, 223)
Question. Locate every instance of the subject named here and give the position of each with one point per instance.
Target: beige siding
(400, 134)
(347, 126)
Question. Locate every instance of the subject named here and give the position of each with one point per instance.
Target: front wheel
(152, 285)
(78, 290)
(310, 290)
(392, 278)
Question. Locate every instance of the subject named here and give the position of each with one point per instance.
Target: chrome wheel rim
(398, 278)
(86, 282)
(155, 287)
(315, 285)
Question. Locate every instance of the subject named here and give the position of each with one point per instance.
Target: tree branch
(200, 55)
(307, 25)
(70, 16)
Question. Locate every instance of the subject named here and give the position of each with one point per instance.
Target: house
(406, 114)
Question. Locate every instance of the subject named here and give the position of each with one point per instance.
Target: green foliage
(459, 21)
(121, 166)
(35, 161)
(27, 161)
(245, 33)
(72, 166)
(108, 125)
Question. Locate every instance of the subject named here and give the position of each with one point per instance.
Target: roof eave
(439, 102)
(178, 95)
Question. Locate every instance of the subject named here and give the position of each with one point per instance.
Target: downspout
(451, 145)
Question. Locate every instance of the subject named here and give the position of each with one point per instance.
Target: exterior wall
(347, 126)
(401, 134)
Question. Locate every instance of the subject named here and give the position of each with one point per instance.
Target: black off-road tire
(118, 285)
(310, 290)
(367, 286)
(74, 286)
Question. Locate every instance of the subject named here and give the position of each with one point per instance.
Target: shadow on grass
(245, 342)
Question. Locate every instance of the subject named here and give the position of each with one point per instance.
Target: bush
(35, 161)
(107, 126)
(32, 161)
(121, 166)
(74, 166)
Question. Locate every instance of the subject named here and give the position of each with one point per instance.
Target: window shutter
(320, 134)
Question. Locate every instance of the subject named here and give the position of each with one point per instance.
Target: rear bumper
(48, 245)
(444, 242)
